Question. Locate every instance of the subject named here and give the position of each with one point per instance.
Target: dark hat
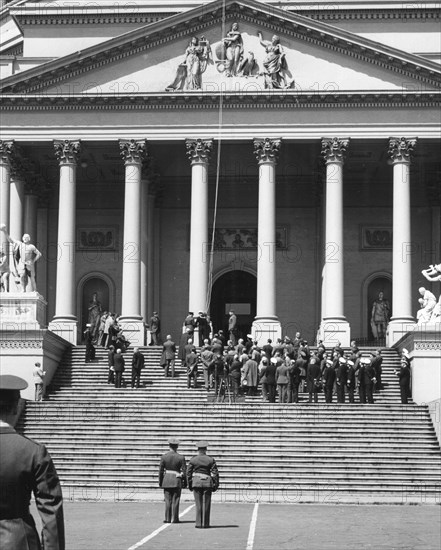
(11, 382)
(202, 444)
(173, 441)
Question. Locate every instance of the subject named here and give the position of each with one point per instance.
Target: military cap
(342, 360)
(173, 441)
(350, 362)
(11, 382)
(365, 360)
(202, 444)
(329, 362)
(405, 353)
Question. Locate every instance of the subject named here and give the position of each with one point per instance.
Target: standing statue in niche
(189, 72)
(233, 45)
(94, 317)
(275, 64)
(380, 316)
(25, 255)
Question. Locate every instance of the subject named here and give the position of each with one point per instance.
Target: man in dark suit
(404, 380)
(202, 479)
(172, 478)
(204, 327)
(119, 367)
(313, 379)
(294, 379)
(350, 381)
(26, 467)
(328, 380)
(369, 380)
(268, 380)
(168, 356)
(138, 362)
(191, 364)
(376, 364)
(111, 364)
(341, 377)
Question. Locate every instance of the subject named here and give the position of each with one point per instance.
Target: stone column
(64, 322)
(198, 152)
(266, 324)
(6, 154)
(334, 326)
(144, 264)
(151, 305)
(133, 152)
(402, 320)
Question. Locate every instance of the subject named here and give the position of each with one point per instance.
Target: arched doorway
(378, 284)
(234, 290)
(98, 285)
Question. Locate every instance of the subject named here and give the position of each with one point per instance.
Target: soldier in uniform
(25, 467)
(328, 380)
(202, 479)
(172, 478)
(404, 380)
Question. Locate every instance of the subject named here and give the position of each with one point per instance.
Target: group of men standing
(116, 365)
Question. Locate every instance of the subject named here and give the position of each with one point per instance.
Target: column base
(133, 330)
(65, 328)
(265, 328)
(397, 328)
(334, 330)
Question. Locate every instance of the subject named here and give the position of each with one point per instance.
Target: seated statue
(427, 303)
(433, 274)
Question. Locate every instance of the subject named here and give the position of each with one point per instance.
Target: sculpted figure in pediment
(274, 64)
(233, 45)
(189, 72)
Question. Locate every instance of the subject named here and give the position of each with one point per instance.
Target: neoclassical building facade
(278, 159)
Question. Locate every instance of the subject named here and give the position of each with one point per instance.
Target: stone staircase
(106, 442)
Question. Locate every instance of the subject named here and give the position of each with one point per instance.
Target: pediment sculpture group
(430, 308)
(231, 60)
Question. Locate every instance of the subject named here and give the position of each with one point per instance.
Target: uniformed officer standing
(172, 477)
(25, 467)
(202, 479)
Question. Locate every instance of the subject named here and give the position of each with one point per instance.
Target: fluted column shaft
(400, 150)
(198, 151)
(133, 153)
(266, 153)
(6, 152)
(30, 215)
(67, 153)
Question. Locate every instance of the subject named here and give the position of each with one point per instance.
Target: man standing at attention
(202, 479)
(26, 467)
(155, 328)
(172, 478)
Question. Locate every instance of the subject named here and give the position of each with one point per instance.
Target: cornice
(197, 21)
(91, 19)
(291, 99)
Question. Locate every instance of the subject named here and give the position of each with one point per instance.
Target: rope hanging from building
(216, 193)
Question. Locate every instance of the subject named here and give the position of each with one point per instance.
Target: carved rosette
(133, 151)
(67, 151)
(7, 150)
(267, 150)
(199, 150)
(334, 149)
(401, 149)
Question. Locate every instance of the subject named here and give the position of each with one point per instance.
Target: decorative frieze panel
(241, 238)
(97, 238)
(375, 237)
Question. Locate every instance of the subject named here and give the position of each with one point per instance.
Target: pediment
(312, 56)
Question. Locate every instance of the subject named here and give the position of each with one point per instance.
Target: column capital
(67, 151)
(401, 149)
(267, 150)
(334, 149)
(7, 150)
(199, 150)
(133, 151)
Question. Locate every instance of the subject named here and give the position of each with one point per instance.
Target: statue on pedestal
(94, 317)
(380, 316)
(189, 72)
(25, 255)
(233, 45)
(275, 65)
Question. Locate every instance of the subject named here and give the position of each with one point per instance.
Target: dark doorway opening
(380, 284)
(234, 290)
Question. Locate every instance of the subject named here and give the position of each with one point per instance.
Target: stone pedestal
(333, 331)
(263, 329)
(22, 311)
(134, 331)
(66, 329)
(398, 329)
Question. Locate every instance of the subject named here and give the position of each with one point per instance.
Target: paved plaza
(132, 526)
